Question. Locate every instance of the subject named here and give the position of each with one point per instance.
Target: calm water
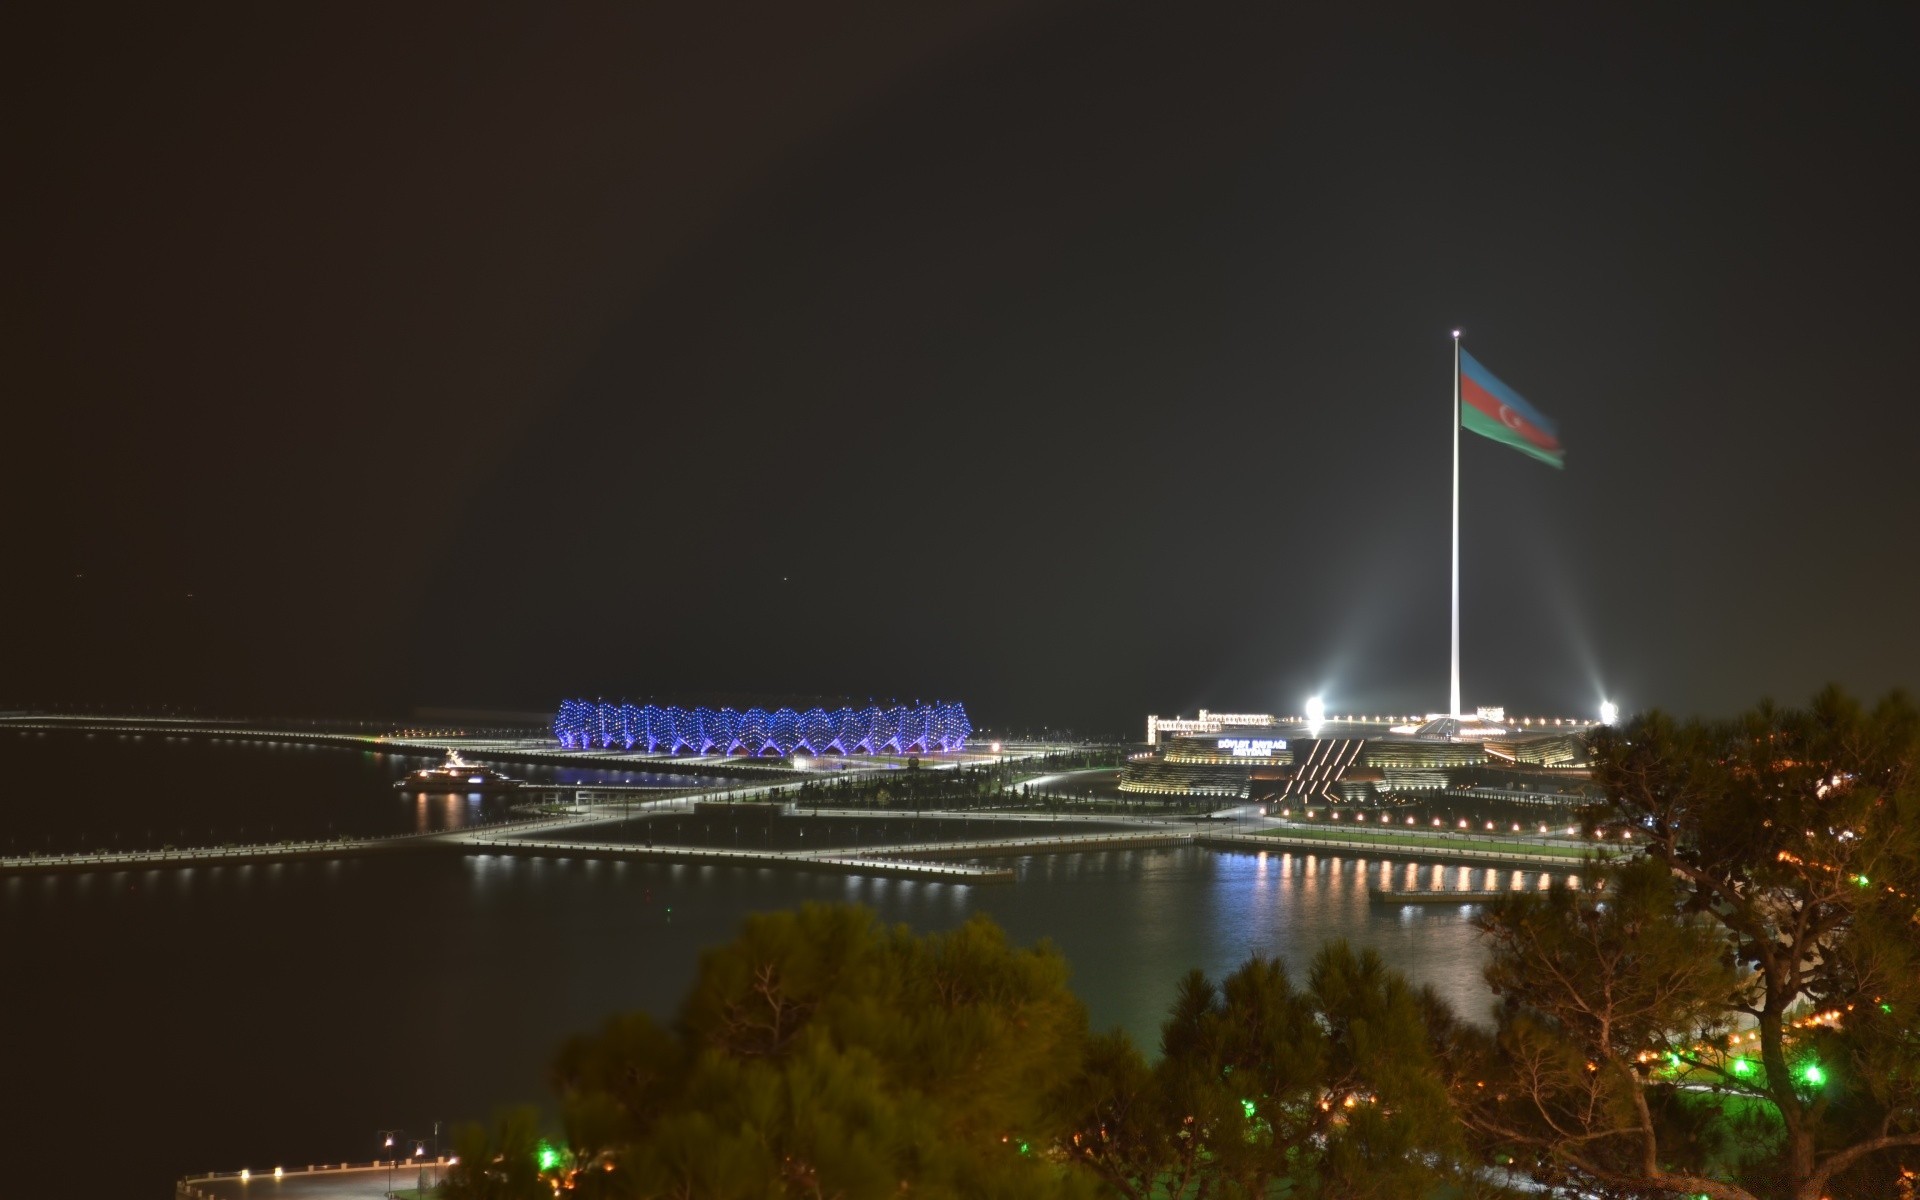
(78, 791)
(158, 1023)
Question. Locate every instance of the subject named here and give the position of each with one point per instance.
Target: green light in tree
(547, 1157)
(1886, 1008)
(1812, 1073)
(1743, 1066)
(1246, 1106)
(1863, 881)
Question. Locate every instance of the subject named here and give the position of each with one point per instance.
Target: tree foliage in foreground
(821, 1054)
(1262, 1089)
(1738, 1016)
(500, 1161)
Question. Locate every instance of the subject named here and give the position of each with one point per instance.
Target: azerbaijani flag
(1494, 410)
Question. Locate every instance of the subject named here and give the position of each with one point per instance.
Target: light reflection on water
(1132, 921)
(408, 988)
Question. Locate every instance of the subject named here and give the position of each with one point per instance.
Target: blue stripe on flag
(1470, 367)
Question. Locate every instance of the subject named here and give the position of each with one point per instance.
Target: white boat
(456, 775)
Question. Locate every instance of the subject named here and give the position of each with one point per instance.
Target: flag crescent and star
(1493, 410)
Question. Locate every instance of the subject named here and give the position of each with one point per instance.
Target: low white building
(1206, 722)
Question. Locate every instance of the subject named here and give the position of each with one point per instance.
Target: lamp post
(387, 1136)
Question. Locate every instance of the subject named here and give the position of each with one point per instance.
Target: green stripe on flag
(1474, 421)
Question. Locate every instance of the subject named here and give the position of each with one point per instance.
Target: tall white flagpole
(1453, 694)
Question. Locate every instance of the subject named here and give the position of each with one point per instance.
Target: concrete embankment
(841, 862)
(1062, 843)
(919, 860)
(170, 858)
(1468, 896)
(322, 1182)
(1410, 846)
(207, 856)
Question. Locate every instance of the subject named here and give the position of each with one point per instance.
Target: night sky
(1076, 361)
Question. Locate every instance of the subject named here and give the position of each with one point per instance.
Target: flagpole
(1453, 694)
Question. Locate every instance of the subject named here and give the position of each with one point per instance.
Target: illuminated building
(1206, 722)
(1363, 760)
(900, 729)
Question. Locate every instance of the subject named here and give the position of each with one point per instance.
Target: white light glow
(1316, 712)
(1251, 747)
(1609, 713)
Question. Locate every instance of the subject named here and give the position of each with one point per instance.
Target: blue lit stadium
(902, 729)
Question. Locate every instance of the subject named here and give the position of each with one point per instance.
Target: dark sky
(1076, 361)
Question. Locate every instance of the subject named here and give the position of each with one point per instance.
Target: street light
(388, 1135)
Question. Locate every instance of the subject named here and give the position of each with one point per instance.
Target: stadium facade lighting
(587, 725)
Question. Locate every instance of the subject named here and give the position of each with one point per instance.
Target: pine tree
(1738, 1017)
(821, 1054)
(1263, 1089)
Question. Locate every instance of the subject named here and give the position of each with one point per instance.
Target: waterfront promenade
(557, 836)
(1457, 848)
(324, 1182)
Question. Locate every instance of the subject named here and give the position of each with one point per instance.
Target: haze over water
(400, 989)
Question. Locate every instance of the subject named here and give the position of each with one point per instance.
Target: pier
(839, 862)
(1447, 847)
(908, 860)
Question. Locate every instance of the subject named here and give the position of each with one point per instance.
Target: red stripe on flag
(1472, 393)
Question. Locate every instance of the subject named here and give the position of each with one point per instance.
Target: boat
(457, 775)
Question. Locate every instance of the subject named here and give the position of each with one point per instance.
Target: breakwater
(541, 838)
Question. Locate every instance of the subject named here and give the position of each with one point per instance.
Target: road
(353, 1183)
